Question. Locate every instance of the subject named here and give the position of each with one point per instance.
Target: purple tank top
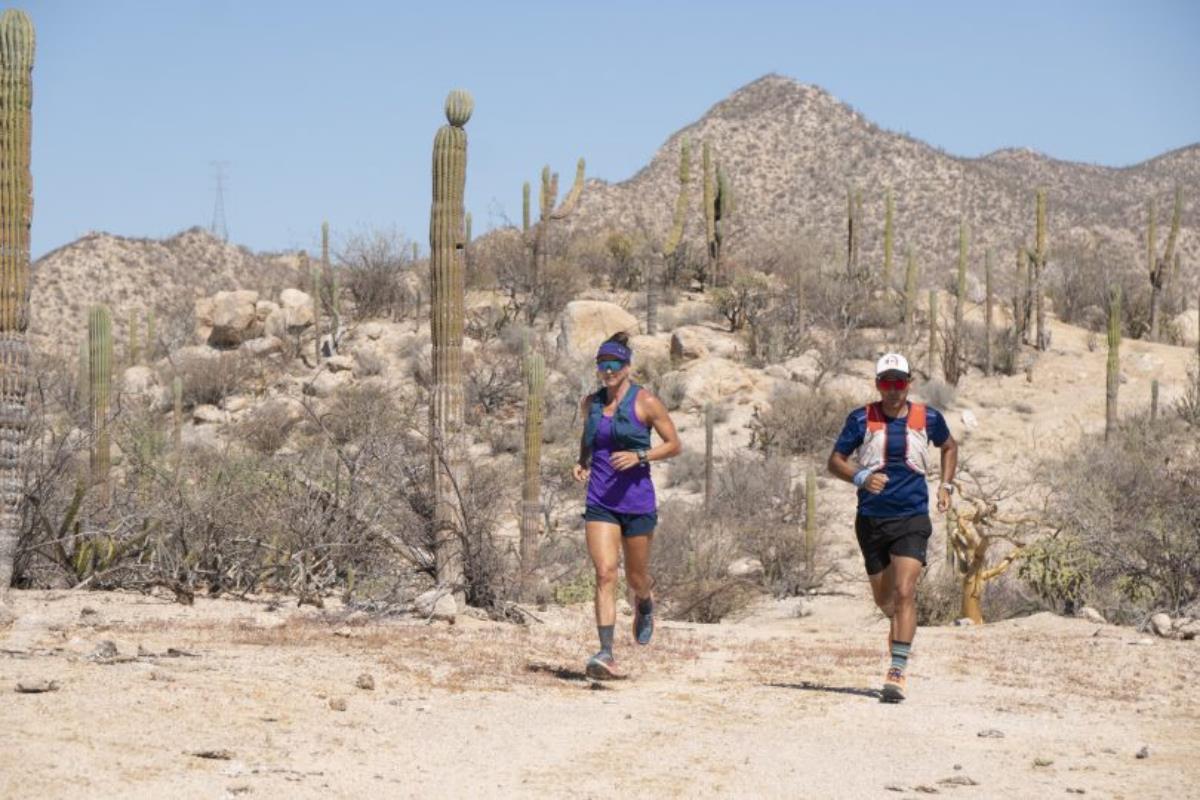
(628, 492)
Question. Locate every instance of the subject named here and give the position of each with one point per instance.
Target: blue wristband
(861, 476)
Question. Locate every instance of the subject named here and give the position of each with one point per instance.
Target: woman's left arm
(652, 412)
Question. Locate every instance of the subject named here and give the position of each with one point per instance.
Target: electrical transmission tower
(218, 227)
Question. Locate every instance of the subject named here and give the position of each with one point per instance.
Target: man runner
(889, 442)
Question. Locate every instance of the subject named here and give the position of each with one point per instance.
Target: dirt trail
(771, 706)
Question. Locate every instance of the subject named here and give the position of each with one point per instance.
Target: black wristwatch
(643, 457)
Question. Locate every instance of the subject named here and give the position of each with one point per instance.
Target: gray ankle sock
(606, 637)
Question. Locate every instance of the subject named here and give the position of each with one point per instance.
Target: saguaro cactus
(531, 490)
(708, 456)
(722, 212)
(888, 232)
(1114, 361)
(1037, 259)
(810, 523)
(1154, 400)
(446, 332)
(525, 207)
(100, 351)
(910, 293)
(16, 214)
(539, 235)
(1160, 267)
(671, 246)
(954, 357)
(177, 422)
(709, 189)
(1021, 297)
(933, 329)
(987, 313)
(853, 203)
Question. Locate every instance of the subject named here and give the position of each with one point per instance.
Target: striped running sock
(900, 651)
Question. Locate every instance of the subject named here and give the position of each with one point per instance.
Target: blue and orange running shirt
(906, 494)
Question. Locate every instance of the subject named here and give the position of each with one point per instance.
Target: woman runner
(614, 459)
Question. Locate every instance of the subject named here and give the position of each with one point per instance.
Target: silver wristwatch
(643, 457)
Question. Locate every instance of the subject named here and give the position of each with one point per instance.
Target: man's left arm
(949, 450)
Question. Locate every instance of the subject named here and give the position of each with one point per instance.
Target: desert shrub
(692, 556)
(672, 390)
(687, 471)
(376, 267)
(494, 381)
(939, 599)
(1188, 406)
(744, 300)
(1134, 504)
(209, 379)
(266, 428)
(799, 421)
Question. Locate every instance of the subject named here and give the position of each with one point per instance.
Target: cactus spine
(888, 232)
(446, 332)
(531, 492)
(100, 350)
(708, 456)
(673, 238)
(16, 215)
(1160, 268)
(1114, 361)
(989, 302)
(910, 293)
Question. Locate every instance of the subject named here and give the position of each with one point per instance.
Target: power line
(219, 228)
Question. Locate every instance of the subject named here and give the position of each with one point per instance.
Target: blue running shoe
(603, 667)
(643, 621)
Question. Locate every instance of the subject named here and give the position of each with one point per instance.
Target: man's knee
(905, 594)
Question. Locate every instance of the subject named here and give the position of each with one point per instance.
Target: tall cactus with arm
(446, 407)
(531, 490)
(100, 352)
(673, 238)
(16, 214)
(539, 235)
(1160, 267)
(1037, 261)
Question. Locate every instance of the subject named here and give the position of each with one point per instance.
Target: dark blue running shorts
(630, 524)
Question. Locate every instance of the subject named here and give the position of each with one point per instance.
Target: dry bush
(377, 269)
(687, 471)
(692, 555)
(1134, 504)
(266, 428)
(494, 382)
(209, 379)
(937, 393)
(799, 421)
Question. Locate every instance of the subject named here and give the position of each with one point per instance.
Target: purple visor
(614, 350)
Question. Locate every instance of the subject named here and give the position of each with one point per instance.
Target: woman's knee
(606, 575)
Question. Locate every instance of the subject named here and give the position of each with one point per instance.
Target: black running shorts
(880, 538)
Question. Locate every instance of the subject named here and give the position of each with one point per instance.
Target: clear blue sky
(327, 111)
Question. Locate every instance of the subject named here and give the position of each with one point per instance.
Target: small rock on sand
(337, 703)
(365, 681)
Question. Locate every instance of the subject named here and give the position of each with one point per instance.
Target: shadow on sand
(809, 686)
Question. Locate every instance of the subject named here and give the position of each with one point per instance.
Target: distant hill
(791, 150)
(128, 275)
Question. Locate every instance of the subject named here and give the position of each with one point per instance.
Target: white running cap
(891, 362)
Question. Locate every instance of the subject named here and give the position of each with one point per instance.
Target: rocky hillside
(140, 275)
(791, 150)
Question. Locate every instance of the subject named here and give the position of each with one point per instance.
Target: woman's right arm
(582, 466)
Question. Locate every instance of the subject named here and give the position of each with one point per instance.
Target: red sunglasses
(891, 384)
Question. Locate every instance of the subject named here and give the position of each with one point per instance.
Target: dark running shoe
(603, 667)
(893, 686)
(643, 624)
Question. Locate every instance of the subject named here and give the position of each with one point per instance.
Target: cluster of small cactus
(1160, 267)
(16, 214)
(447, 281)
